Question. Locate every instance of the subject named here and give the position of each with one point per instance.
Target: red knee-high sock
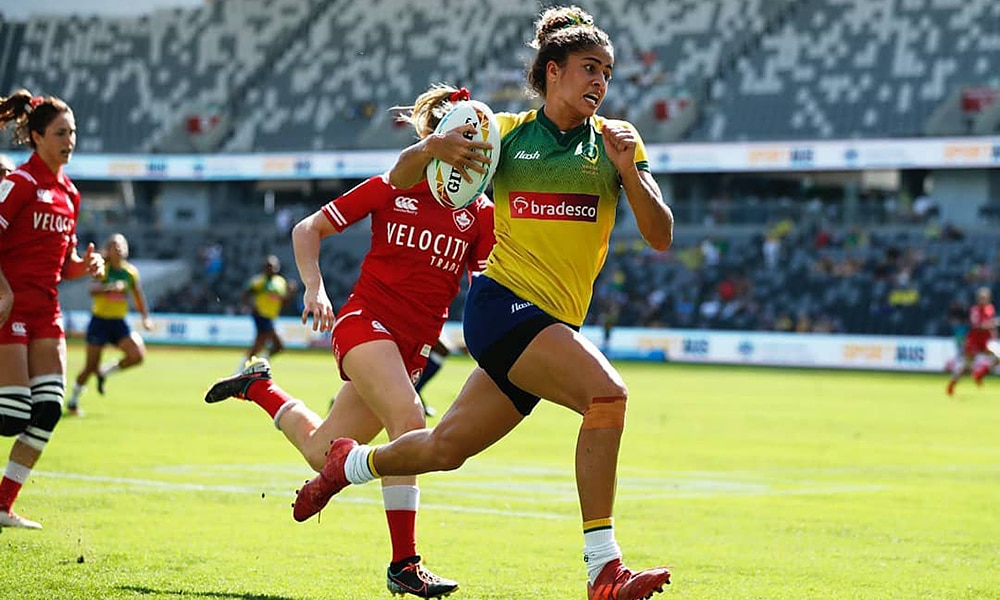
(266, 394)
(13, 478)
(401, 503)
(403, 532)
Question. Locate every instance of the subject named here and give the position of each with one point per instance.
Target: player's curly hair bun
(560, 31)
(557, 19)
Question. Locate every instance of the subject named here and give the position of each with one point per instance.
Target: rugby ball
(449, 188)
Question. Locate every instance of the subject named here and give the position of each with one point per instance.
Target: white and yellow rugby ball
(448, 186)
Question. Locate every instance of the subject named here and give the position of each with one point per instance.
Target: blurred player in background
(383, 334)
(39, 206)
(983, 327)
(107, 320)
(6, 165)
(958, 318)
(266, 294)
(562, 168)
(979, 354)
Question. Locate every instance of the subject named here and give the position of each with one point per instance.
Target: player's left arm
(139, 297)
(655, 219)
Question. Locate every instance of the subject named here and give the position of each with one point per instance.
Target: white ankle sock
(356, 466)
(599, 548)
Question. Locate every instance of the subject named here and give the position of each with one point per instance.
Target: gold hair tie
(577, 21)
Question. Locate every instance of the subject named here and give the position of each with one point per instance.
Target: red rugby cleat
(316, 492)
(616, 582)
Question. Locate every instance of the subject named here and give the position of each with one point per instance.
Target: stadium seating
(134, 80)
(854, 68)
(893, 281)
(286, 75)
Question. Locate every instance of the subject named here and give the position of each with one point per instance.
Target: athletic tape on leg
(605, 412)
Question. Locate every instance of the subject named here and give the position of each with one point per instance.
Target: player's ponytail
(430, 107)
(29, 113)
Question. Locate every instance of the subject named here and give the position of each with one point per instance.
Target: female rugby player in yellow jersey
(107, 321)
(266, 294)
(561, 170)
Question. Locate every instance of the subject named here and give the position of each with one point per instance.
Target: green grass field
(750, 484)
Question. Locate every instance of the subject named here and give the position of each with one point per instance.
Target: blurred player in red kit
(39, 206)
(980, 352)
(384, 333)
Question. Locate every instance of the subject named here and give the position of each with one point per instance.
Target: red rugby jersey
(418, 253)
(980, 316)
(38, 212)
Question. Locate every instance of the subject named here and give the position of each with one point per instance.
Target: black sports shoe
(236, 386)
(101, 379)
(410, 577)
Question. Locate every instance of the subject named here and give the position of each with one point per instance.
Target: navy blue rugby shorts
(498, 326)
(103, 331)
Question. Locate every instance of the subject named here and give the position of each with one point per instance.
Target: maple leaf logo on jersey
(45, 196)
(463, 220)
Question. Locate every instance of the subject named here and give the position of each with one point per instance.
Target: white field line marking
(132, 484)
(553, 492)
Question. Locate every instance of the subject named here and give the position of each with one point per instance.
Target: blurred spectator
(924, 208)
(772, 251)
(213, 262)
(710, 252)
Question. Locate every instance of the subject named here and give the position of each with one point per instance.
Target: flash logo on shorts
(415, 375)
(19, 329)
(376, 326)
(518, 306)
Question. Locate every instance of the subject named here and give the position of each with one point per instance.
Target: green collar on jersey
(562, 138)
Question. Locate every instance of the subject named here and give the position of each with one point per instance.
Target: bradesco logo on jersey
(553, 207)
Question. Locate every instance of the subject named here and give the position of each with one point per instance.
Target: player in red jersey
(383, 334)
(39, 206)
(979, 355)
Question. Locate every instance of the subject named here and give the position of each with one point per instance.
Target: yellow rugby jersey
(268, 294)
(555, 195)
(114, 305)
